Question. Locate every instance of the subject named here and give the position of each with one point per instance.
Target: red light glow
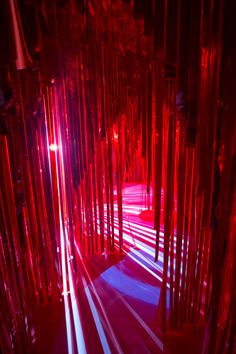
(53, 147)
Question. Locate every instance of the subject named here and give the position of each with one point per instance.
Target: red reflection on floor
(117, 295)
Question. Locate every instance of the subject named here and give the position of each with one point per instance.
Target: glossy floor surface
(112, 303)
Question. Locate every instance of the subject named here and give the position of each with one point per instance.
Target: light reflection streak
(65, 292)
(96, 318)
(135, 259)
(142, 238)
(141, 235)
(142, 323)
(143, 247)
(64, 273)
(111, 332)
(75, 310)
(101, 333)
(151, 334)
(146, 260)
(130, 285)
(66, 266)
(147, 249)
(143, 266)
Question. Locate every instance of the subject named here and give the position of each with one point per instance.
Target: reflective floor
(111, 305)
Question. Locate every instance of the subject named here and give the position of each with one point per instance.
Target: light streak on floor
(132, 293)
(81, 347)
(101, 306)
(66, 292)
(96, 318)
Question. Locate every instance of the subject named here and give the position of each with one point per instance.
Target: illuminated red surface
(120, 292)
(117, 178)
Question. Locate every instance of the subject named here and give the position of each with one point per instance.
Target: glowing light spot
(53, 147)
(65, 293)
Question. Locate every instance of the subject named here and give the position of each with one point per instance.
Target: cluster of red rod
(122, 108)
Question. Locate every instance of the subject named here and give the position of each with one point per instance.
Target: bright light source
(53, 147)
(115, 136)
(65, 293)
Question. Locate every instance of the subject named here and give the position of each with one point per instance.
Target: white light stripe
(96, 318)
(75, 310)
(112, 334)
(64, 276)
(151, 334)
(146, 268)
(65, 291)
(140, 263)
